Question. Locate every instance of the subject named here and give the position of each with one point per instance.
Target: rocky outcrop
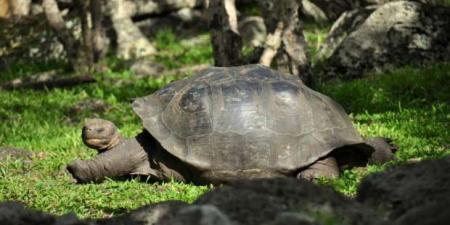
(146, 215)
(7, 153)
(198, 215)
(377, 38)
(269, 202)
(411, 194)
(15, 213)
(272, 201)
(330, 10)
(406, 195)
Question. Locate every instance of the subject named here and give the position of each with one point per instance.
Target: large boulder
(198, 215)
(150, 214)
(15, 213)
(263, 202)
(285, 200)
(411, 194)
(330, 10)
(377, 38)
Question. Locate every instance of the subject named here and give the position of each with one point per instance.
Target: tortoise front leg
(325, 167)
(123, 160)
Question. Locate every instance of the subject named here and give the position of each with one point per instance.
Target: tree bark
(56, 22)
(272, 45)
(225, 37)
(84, 53)
(99, 39)
(286, 37)
(131, 43)
(86, 30)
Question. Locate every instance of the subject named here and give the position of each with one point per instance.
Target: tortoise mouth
(98, 143)
(96, 140)
(102, 143)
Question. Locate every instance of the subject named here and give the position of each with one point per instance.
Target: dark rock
(432, 213)
(15, 213)
(330, 10)
(416, 193)
(378, 38)
(348, 21)
(265, 201)
(14, 153)
(292, 219)
(147, 215)
(199, 215)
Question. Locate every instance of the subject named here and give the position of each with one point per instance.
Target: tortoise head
(384, 150)
(100, 134)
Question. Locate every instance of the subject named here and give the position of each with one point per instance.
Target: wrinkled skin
(100, 134)
(143, 155)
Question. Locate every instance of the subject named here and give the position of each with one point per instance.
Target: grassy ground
(410, 105)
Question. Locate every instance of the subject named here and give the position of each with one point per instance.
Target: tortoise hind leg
(325, 167)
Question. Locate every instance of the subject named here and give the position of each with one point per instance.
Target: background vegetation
(409, 105)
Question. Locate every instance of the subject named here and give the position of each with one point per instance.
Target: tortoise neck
(115, 140)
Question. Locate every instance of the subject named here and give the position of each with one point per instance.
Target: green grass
(410, 105)
(173, 52)
(39, 121)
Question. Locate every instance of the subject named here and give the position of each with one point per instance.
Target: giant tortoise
(230, 123)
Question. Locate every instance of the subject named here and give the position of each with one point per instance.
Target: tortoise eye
(100, 130)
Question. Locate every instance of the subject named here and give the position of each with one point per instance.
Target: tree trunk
(86, 30)
(71, 45)
(286, 39)
(99, 39)
(225, 38)
(14, 9)
(83, 53)
(131, 43)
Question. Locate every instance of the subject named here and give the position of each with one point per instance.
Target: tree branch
(56, 22)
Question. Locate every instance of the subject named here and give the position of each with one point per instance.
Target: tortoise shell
(243, 118)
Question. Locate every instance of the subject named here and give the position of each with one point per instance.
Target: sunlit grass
(408, 105)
